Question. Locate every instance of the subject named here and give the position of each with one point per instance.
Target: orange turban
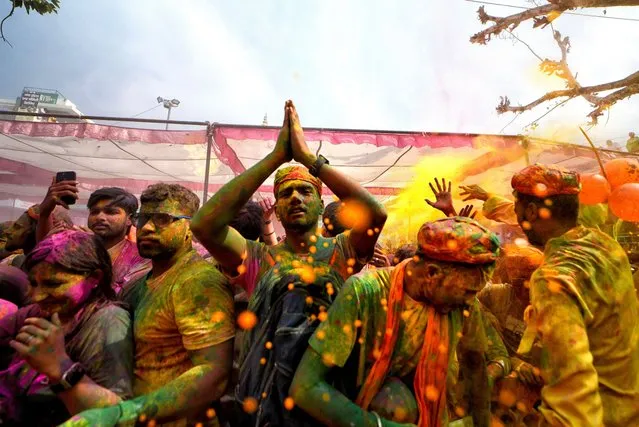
(545, 181)
(458, 239)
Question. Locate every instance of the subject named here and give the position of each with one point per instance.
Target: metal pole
(105, 118)
(168, 117)
(209, 144)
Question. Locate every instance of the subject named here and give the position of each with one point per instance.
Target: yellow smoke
(408, 211)
(559, 132)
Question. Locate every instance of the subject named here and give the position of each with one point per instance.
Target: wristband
(70, 378)
(315, 169)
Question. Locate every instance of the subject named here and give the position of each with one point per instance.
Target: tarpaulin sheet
(384, 162)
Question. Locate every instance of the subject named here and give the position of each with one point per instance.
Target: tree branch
(629, 85)
(40, 6)
(13, 8)
(595, 3)
(608, 101)
(562, 70)
(509, 22)
(541, 15)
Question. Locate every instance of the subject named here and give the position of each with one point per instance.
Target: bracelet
(378, 418)
(33, 214)
(267, 222)
(268, 234)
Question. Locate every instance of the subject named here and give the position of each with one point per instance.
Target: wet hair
(404, 252)
(249, 221)
(330, 217)
(79, 253)
(158, 193)
(563, 207)
(119, 198)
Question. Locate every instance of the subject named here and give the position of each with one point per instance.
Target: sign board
(31, 98)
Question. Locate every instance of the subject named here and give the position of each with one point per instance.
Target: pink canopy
(384, 162)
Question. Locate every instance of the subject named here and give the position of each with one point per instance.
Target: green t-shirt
(359, 315)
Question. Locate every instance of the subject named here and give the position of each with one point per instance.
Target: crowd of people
(164, 312)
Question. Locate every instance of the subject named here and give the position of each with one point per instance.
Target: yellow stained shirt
(586, 316)
(188, 308)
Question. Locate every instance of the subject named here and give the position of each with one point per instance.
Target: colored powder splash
(408, 211)
(558, 131)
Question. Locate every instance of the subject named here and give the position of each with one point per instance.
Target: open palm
(443, 197)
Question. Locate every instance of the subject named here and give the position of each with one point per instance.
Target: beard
(107, 231)
(155, 250)
(301, 225)
(308, 222)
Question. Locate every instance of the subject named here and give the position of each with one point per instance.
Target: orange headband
(298, 173)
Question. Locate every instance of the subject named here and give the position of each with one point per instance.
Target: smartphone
(66, 176)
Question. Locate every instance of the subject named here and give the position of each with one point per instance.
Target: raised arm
(211, 223)
(344, 188)
(56, 191)
(268, 229)
(495, 208)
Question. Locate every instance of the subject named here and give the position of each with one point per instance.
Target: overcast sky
(403, 65)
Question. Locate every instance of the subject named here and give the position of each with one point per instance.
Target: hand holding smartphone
(63, 191)
(66, 176)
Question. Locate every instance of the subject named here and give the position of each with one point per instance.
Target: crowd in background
(164, 312)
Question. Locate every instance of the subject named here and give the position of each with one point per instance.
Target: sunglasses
(159, 219)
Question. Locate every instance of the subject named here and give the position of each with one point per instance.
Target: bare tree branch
(595, 3)
(562, 70)
(543, 15)
(608, 101)
(631, 80)
(509, 22)
(630, 85)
